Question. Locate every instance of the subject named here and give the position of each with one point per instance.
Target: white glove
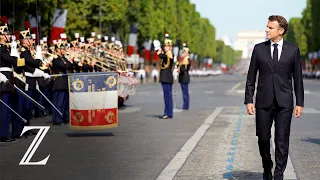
(157, 45)
(14, 51)
(3, 78)
(38, 73)
(14, 44)
(39, 53)
(46, 76)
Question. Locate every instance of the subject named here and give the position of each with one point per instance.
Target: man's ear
(281, 31)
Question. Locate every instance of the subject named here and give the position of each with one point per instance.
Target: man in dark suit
(278, 62)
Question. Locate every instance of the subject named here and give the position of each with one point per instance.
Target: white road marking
(236, 86)
(242, 91)
(310, 111)
(177, 110)
(209, 92)
(289, 173)
(178, 160)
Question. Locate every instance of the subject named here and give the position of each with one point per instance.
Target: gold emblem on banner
(78, 116)
(78, 84)
(110, 117)
(111, 81)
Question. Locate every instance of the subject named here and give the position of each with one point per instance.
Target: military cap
(60, 45)
(74, 43)
(25, 34)
(167, 41)
(185, 49)
(4, 30)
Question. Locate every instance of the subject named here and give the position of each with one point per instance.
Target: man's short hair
(281, 20)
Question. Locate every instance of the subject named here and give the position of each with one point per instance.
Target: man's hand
(297, 111)
(250, 109)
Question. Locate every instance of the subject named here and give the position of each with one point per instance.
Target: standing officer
(7, 61)
(184, 78)
(166, 76)
(61, 65)
(32, 72)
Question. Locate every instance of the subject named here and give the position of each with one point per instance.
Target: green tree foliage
(305, 31)
(179, 18)
(315, 13)
(296, 35)
(307, 25)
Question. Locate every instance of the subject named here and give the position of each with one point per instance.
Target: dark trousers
(29, 107)
(39, 112)
(61, 102)
(5, 114)
(167, 96)
(185, 95)
(264, 119)
(19, 105)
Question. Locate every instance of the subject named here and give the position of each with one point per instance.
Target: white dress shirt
(280, 45)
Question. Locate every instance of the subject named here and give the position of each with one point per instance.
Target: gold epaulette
(23, 49)
(169, 54)
(20, 62)
(185, 61)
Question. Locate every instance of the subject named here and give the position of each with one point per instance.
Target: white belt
(4, 69)
(27, 74)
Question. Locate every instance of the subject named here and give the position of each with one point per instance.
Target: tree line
(305, 31)
(179, 18)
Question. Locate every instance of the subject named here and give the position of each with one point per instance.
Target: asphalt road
(215, 139)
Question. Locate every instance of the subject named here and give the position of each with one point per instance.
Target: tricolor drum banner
(93, 101)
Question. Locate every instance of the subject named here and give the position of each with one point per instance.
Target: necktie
(275, 55)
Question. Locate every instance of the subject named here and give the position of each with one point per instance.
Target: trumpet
(52, 55)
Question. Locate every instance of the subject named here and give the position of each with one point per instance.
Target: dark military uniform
(44, 88)
(18, 102)
(31, 82)
(184, 79)
(86, 67)
(61, 65)
(166, 80)
(6, 92)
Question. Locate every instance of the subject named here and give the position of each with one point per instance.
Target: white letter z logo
(34, 145)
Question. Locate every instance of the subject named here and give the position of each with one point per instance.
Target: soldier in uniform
(44, 86)
(61, 65)
(166, 76)
(7, 61)
(32, 72)
(184, 78)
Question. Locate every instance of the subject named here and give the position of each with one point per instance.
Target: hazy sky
(232, 16)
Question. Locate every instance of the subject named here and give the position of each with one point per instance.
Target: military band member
(31, 71)
(184, 78)
(44, 84)
(7, 61)
(61, 65)
(166, 76)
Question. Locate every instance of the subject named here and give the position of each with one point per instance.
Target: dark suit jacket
(275, 81)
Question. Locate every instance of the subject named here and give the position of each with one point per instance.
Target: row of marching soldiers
(34, 81)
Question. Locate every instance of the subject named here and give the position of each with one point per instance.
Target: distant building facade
(246, 41)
